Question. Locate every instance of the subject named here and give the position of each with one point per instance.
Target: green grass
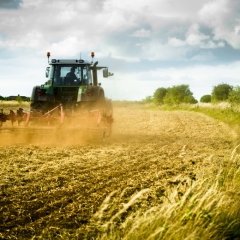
(229, 115)
(222, 112)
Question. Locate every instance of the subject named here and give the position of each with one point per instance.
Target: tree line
(182, 94)
(17, 98)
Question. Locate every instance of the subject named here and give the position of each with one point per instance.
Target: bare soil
(73, 187)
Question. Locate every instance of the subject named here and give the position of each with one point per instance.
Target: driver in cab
(71, 78)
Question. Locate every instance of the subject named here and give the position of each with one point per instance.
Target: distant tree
(2, 98)
(234, 95)
(205, 98)
(221, 92)
(179, 94)
(19, 99)
(148, 99)
(158, 95)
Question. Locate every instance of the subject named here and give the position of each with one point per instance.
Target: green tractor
(73, 83)
(72, 97)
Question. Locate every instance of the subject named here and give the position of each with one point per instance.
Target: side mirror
(105, 72)
(47, 71)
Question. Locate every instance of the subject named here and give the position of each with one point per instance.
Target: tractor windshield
(71, 75)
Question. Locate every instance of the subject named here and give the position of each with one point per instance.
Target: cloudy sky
(147, 44)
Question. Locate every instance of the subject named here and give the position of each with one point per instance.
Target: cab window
(71, 75)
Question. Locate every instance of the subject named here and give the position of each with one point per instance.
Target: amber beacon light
(48, 55)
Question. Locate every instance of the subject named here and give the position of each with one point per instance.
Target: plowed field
(72, 189)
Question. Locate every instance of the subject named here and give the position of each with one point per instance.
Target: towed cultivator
(19, 117)
(71, 102)
(90, 125)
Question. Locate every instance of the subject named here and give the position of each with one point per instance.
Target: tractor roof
(68, 61)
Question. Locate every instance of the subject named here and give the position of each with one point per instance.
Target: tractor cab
(69, 73)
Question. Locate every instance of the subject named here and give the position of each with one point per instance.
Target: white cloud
(28, 4)
(214, 13)
(68, 47)
(141, 33)
(33, 39)
(193, 37)
(221, 16)
(174, 42)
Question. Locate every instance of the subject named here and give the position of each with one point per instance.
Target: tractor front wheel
(39, 106)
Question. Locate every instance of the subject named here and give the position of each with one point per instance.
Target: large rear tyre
(99, 104)
(101, 101)
(108, 107)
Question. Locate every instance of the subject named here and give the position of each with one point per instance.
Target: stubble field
(74, 189)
